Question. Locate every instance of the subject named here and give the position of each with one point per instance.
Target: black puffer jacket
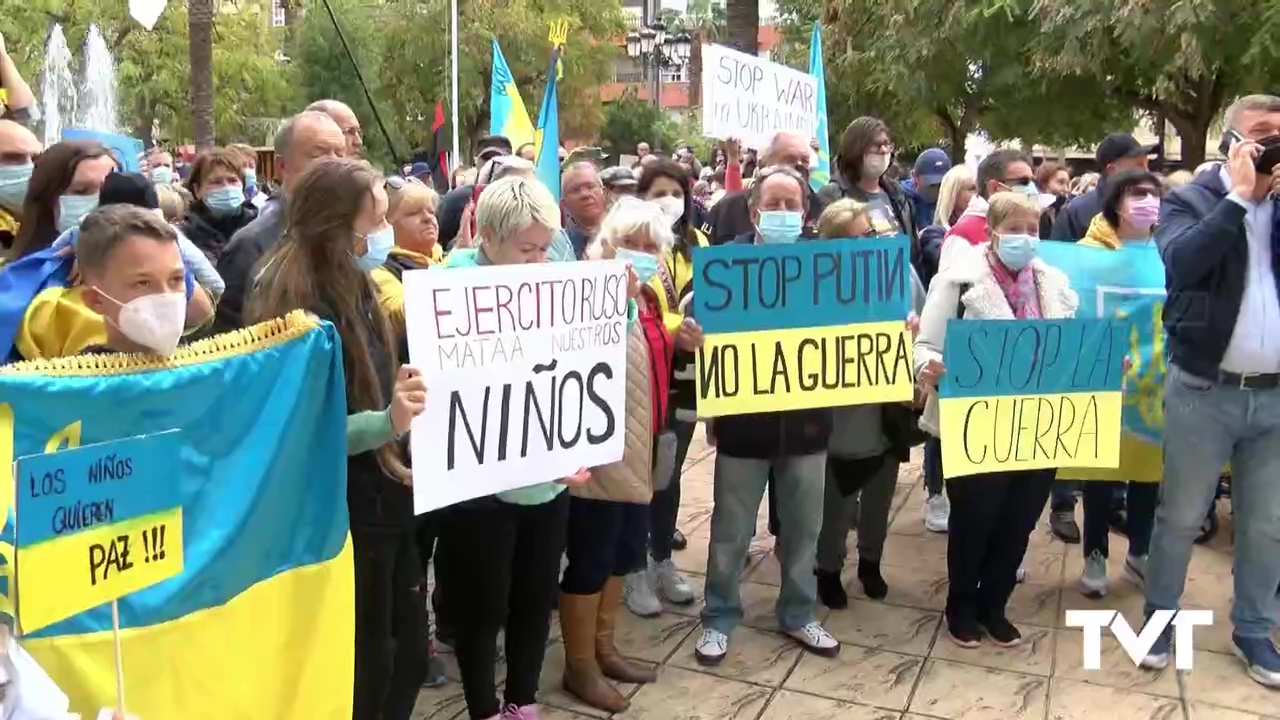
(211, 233)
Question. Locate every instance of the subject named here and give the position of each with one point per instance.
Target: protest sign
(1030, 394)
(750, 98)
(1127, 285)
(809, 325)
(126, 150)
(95, 523)
(526, 370)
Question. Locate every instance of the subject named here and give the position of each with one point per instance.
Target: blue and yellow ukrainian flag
(821, 175)
(260, 622)
(548, 163)
(507, 116)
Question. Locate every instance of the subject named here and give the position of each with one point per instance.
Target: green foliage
(251, 87)
(629, 121)
(403, 49)
(936, 70)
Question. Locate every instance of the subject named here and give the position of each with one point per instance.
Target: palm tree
(200, 42)
(706, 24)
(742, 17)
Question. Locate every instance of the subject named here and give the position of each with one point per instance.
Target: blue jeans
(1206, 425)
(800, 483)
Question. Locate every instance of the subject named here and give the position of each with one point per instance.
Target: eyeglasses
(884, 147)
(397, 183)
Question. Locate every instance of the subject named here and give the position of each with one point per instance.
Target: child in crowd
(992, 514)
(134, 278)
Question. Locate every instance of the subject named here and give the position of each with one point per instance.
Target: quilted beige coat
(631, 478)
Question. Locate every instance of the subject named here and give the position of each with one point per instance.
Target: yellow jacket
(390, 290)
(679, 268)
(1101, 235)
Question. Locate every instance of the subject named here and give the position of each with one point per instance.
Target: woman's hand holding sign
(689, 335)
(930, 373)
(408, 399)
(582, 477)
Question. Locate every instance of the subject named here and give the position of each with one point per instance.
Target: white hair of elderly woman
(512, 204)
(627, 217)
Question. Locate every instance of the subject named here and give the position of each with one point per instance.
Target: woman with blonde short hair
(993, 513)
(498, 556)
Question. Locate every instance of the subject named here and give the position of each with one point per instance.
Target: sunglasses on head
(395, 182)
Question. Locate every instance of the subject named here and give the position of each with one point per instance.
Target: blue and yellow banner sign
(260, 621)
(1126, 285)
(809, 325)
(98, 522)
(1030, 394)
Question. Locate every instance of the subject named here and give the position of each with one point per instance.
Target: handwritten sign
(815, 324)
(1031, 394)
(123, 148)
(526, 366)
(94, 524)
(751, 98)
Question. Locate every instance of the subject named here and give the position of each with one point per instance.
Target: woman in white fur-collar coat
(992, 514)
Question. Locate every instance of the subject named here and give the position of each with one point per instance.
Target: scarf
(1019, 289)
(977, 206)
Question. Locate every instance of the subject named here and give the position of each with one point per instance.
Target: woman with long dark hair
(63, 189)
(336, 232)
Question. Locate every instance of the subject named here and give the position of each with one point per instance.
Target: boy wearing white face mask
(134, 277)
(992, 514)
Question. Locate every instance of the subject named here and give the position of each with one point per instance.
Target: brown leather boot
(612, 663)
(582, 676)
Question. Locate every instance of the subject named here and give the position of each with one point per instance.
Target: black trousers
(992, 517)
(497, 566)
(391, 659)
(605, 539)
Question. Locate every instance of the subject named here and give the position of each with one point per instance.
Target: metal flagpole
(453, 103)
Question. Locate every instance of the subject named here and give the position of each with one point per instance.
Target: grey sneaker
(638, 595)
(1093, 581)
(1135, 570)
(937, 512)
(671, 585)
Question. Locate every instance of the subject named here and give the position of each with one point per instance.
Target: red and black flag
(434, 161)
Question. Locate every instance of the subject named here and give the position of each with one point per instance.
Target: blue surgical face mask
(13, 185)
(644, 265)
(250, 177)
(780, 226)
(378, 246)
(162, 175)
(1017, 251)
(224, 200)
(73, 208)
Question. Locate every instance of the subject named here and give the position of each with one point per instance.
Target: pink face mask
(1144, 212)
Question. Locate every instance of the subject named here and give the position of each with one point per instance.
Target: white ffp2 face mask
(154, 321)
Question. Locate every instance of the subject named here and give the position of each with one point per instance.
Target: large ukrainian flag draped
(507, 116)
(260, 623)
(821, 175)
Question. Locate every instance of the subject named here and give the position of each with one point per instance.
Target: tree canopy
(403, 49)
(252, 88)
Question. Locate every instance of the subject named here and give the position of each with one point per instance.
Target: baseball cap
(618, 177)
(124, 188)
(584, 154)
(932, 165)
(491, 146)
(1118, 146)
(419, 168)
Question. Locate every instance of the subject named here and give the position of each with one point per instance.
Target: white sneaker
(937, 511)
(638, 595)
(814, 638)
(670, 584)
(1093, 581)
(711, 647)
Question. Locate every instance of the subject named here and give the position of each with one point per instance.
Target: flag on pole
(820, 175)
(439, 156)
(548, 159)
(507, 116)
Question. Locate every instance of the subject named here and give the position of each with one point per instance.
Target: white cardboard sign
(752, 99)
(525, 367)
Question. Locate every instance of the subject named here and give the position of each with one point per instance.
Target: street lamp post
(656, 51)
